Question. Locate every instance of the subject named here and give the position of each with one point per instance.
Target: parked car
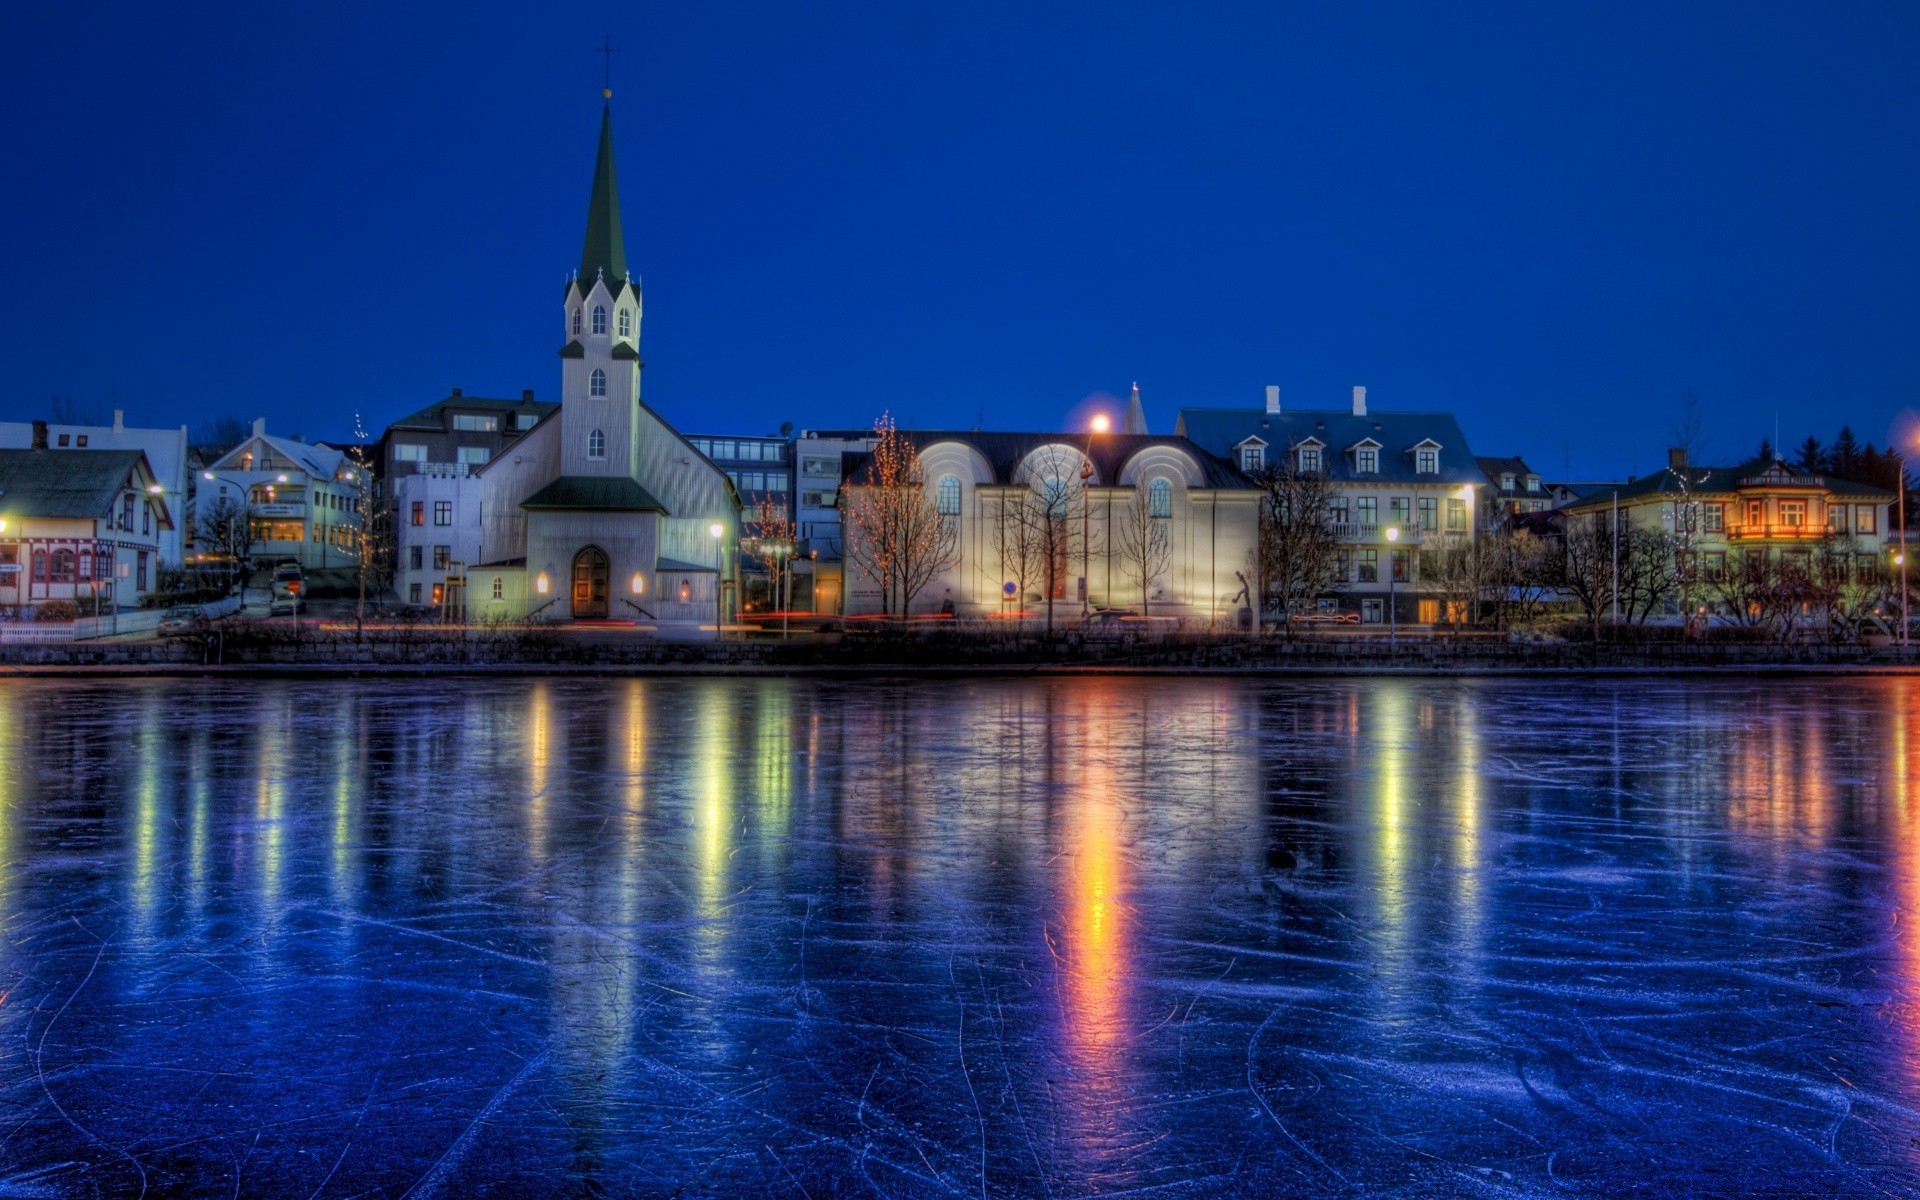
(289, 590)
(178, 620)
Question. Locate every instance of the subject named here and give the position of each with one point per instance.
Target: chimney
(526, 395)
(119, 420)
(1677, 458)
(1273, 399)
(1359, 402)
(456, 393)
(259, 427)
(39, 435)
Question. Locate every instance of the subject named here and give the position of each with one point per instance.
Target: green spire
(604, 252)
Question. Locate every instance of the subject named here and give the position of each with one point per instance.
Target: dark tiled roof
(594, 493)
(1710, 481)
(80, 484)
(433, 416)
(1219, 430)
(1111, 452)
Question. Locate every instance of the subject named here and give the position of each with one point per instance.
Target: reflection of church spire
(1136, 415)
(605, 252)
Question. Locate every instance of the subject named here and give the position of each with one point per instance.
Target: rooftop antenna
(607, 50)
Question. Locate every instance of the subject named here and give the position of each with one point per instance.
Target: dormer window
(597, 383)
(599, 320)
(1533, 483)
(1253, 457)
(596, 444)
(1366, 460)
(1426, 460)
(576, 322)
(626, 323)
(1506, 481)
(1307, 457)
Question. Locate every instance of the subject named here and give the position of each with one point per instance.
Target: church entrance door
(590, 587)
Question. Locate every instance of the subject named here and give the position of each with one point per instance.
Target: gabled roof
(317, 458)
(433, 416)
(1111, 452)
(1710, 481)
(1220, 429)
(594, 493)
(70, 484)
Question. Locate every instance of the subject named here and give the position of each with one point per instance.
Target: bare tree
(1016, 540)
(1144, 543)
(1453, 570)
(1586, 568)
(217, 435)
(224, 525)
(771, 536)
(1296, 550)
(898, 538)
(65, 410)
(1055, 510)
(1522, 569)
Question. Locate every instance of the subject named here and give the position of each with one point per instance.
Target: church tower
(600, 372)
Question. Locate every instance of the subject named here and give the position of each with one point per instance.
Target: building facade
(761, 469)
(167, 458)
(602, 511)
(1055, 525)
(436, 532)
(821, 460)
(455, 435)
(81, 525)
(302, 502)
(1405, 490)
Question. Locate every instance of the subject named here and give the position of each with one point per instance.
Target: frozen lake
(1169, 937)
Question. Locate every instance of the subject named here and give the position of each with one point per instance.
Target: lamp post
(1393, 579)
(1900, 486)
(1099, 424)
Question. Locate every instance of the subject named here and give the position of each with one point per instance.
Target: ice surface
(1145, 937)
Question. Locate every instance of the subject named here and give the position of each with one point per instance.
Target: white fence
(144, 620)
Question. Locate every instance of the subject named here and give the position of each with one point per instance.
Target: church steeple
(605, 252)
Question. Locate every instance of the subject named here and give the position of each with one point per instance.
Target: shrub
(56, 610)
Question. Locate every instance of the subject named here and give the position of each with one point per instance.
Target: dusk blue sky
(1553, 219)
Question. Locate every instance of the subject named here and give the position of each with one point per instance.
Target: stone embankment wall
(559, 651)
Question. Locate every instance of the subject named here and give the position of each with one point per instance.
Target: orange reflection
(1094, 949)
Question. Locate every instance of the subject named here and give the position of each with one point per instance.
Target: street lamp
(1099, 424)
(1393, 578)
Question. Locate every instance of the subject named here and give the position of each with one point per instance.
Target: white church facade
(603, 512)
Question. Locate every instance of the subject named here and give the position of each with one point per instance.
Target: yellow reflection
(269, 801)
(347, 753)
(146, 818)
(1468, 805)
(1095, 952)
(539, 766)
(1392, 730)
(713, 809)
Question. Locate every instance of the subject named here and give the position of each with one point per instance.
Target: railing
(440, 468)
(1410, 535)
(1751, 530)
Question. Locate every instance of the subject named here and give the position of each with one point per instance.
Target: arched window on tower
(947, 496)
(597, 383)
(626, 322)
(576, 322)
(596, 444)
(1160, 498)
(599, 320)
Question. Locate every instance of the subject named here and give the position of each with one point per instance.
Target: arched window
(947, 497)
(576, 322)
(1053, 497)
(1160, 498)
(597, 383)
(626, 322)
(596, 444)
(599, 320)
(499, 590)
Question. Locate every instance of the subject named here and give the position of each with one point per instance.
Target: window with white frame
(1159, 498)
(1863, 518)
(1366, 460)
(626, 322)
(409, 452)
(947, 496)
(1309, 459)
(599, 320)
(576, 322)
(476, 423)
(443, 512)
(499, 590)
(596, 444)
(1426, 460)
(1253, 458)
(597, 383)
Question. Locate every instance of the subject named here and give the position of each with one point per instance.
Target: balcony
(1753, 532)
(1376, 535)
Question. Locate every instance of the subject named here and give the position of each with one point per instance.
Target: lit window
(948, 499)
(419, 512)
(626, 323)
(1160, 498)
(599, 320)
(596, 444)
(499, 591)
(476, 422)
(1456, 516)
(1863, 519)
(597, 383)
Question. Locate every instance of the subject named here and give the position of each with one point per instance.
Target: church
(603, 512)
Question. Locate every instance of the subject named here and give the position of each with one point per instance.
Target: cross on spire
(607, 50)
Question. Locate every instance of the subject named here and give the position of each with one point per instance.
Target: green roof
(79, 484)
(1712, 481)
(605, 252)
(622, 350)
(594, 493)
(573, 349)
